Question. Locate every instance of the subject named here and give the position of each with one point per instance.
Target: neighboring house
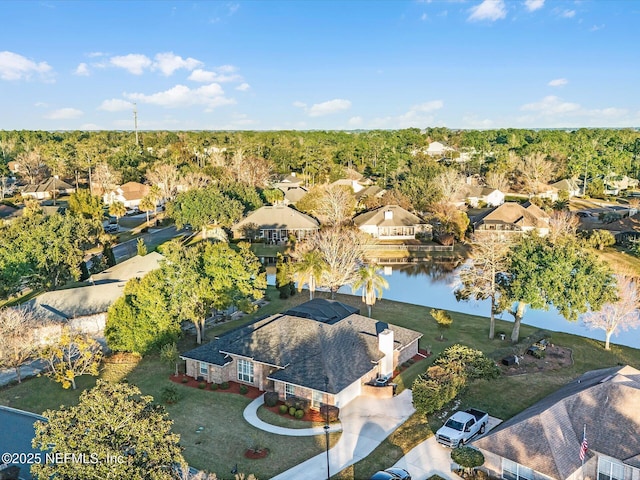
(438, 149)
(372, 191)
(355, 185)
(615, 184)
(130, 194)
(13, 166)
(543, 442)
(289, 181)
(293, 195)
(569, 185)
(624, 230)
(50, 188)
(392, 222)
(491, 197)
(322, 351)
(512, 217)
(85, 308)
(277, 223)
(542, 190)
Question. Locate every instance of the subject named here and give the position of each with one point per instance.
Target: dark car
(392, 473)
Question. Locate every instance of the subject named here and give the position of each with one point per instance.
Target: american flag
(584, 447)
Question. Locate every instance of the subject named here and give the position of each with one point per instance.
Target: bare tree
(195, 181)
(535, 169)
(252, 170)
(497, 180)
(620, 315)
(343, 250)
(31, 164)
(479, 278)
(451, 183)
(17, 337)
(166, 177)
(562, 223)
(105, 178)
(335, 205)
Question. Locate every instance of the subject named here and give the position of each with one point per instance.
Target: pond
(432, 284)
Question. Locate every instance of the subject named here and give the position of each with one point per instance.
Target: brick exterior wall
(407, 352)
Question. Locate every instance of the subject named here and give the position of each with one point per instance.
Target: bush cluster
(243, 389)
(271, 399)
(202, 385)
(299, 414)
(334, 412)
(224, 386)
(298, 403)
(214, 386)
(283, 409)
(169, 394)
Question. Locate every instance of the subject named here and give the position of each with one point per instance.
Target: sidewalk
(30, 369)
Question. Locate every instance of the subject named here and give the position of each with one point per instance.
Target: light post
(326, 425)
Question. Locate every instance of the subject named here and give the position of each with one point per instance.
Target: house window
(514, 471)
(316, 399)
(610, 469)
(289, 390)
(204, 369)
(245, 371)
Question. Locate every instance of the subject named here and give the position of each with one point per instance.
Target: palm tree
(372, 284)
(309, 270)
(117, 209)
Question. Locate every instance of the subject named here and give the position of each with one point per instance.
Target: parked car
(112, 229)
(461, 426)
(392, 473)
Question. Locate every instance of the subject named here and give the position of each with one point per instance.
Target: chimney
(388, 214)
(385, 345)
(293, 174)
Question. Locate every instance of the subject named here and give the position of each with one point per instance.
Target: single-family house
(624, 230)
(613, 184)
(50, 188)
(438, 149)
(130, 194)
(544, 441)
(487, 196)
(289, 181)
(322, 351)
(293, 195)
(355, 185)
(276, 223)
(512, 217)
(543, 190)
(392, 222)
(85, 308)
(569, 185)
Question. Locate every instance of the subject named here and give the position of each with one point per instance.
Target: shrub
(271, 399)
(243, 389)
(406, 365)
(202, 385)
(214, 386)
(169, 394)
(224, 386)
(185, 380)
(292, 411)
(299, 414)
(283, 409)
(334, 412)
(435, 477)
(467, 457)
(411, 361)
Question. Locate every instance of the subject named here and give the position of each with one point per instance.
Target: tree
(563, 275)
(283, 277)
(450, 219)
(170, 354)
(335, 205)
(273, 195)
(70, 356)
(166, 177)
(601, 238)
(497, 180)
(451, 183)
(467, 457)
(117, 209)
(443, 319)
(479, 278)
(535, 169)
(309, 269)
(562, 224)
(621, 314)
(31, 164)
(17, 339)
(111, 421)
(372, 284)
(147, 204)
(82, 202)
(105, 178)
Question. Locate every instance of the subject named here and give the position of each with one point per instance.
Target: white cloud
(64, 114)
(472, 121)
(168, 63)
(243, 87)
(428, 106)
(595, 28)
(566, 13)
(134, 63)
(355, 121)
(90, 126)
(16, 67)
(299, 104)
(491, 10)
(533, 5)
(419, 115)
(210, 96)
(115, 105)
(206, 76)
(95, 54)
(82, 70)
(329, 107)
(558, 82)
(227, 69)
(203, 76)
(551, 105)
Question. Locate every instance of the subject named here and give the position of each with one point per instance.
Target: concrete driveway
(365, 423)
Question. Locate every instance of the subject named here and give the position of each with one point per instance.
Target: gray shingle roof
(322, 310)
(47, 186)
(276, 217)
(527, 215)
(307, 350)
(546, 437)
(400, 217)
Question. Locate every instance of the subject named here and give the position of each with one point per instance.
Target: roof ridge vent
(606, 379)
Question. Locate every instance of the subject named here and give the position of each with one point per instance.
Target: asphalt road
(126, 250)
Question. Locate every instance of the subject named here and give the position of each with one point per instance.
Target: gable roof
(546, 436)
(370, 191)
(48, 185)
(478, 191)
(278, 216)
(293, 195)
(8, 212)
(322, 310)
(305, 350)
(400, 217)
(526, 215)
(134, 190)
(567, 184)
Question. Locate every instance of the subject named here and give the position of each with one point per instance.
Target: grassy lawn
(620, 259)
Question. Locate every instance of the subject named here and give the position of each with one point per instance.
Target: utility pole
(584, 185)
(135, 122)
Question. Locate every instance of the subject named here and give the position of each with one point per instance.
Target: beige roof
(527, 215)
(480, 191)
(47, 186)
(293, 195)
(568, 185)
(278, 217)
(134, 190)
(547, 436)
(399, 217)
(371, 191)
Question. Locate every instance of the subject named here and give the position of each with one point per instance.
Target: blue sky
(261, 65)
